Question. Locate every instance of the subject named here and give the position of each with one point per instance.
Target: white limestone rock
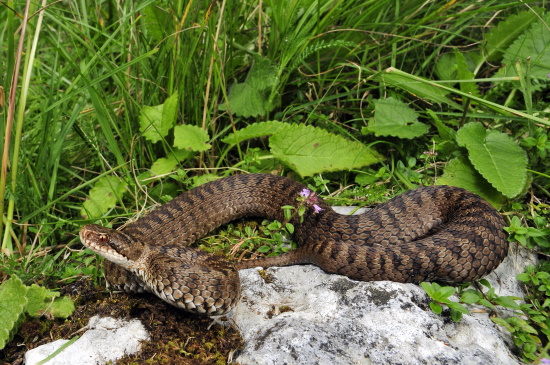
(106, 340)
(301, 315)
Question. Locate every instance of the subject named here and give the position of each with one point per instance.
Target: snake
(432, 233)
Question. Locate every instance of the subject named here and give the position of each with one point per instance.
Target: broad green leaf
(460, 172)
(156, 121)
(501, 161)
(501, 36)
(417, 88)
(166, 165)
(245, 101)
(191, 137)
(62, 307)
(445, 67)
(43, 301)
(533, 44)
(155, 21)
(309, 150)
(38, 300)
(13, 299)
(393, 117)
(251, 98)
(103, 197)
(523, 276)
(254, 131)
(463, 73)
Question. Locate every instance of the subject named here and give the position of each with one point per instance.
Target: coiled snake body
(438, 233)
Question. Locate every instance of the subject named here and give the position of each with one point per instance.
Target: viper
(437, 233)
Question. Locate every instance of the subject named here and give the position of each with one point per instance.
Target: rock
(107, 339)
(302, 315)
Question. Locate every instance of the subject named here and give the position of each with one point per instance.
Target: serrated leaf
(460, 172)
(500, 37)
(103, 197)
(393, 117)
(254, 131)
(309, 150)
(251, 98)
(37, 296)
(191, 137)
(156, 121)
(533, 44)
(62, 307)
(501, 161)
(417, 88)
(13, 299)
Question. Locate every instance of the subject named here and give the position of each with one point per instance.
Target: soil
(177, 337)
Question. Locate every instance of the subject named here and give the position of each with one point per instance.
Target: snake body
(438, 233)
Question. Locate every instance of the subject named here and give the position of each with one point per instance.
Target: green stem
(27, 72)
(6, 243)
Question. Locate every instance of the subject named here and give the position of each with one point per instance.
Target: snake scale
(438, 233)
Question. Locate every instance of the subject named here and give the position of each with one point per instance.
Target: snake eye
(103, 238)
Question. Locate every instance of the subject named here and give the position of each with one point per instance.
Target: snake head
(116, 246)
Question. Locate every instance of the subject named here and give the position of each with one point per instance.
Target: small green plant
(18, 300)
(280, 231)
(529, 237)
(530, 323)
(440, 296)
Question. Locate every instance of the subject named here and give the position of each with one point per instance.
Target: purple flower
(318, 209)
(545, 361)
(305, 192)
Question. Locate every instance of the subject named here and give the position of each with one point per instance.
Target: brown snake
(438, 233)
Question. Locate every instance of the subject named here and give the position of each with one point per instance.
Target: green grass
(97, 66)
